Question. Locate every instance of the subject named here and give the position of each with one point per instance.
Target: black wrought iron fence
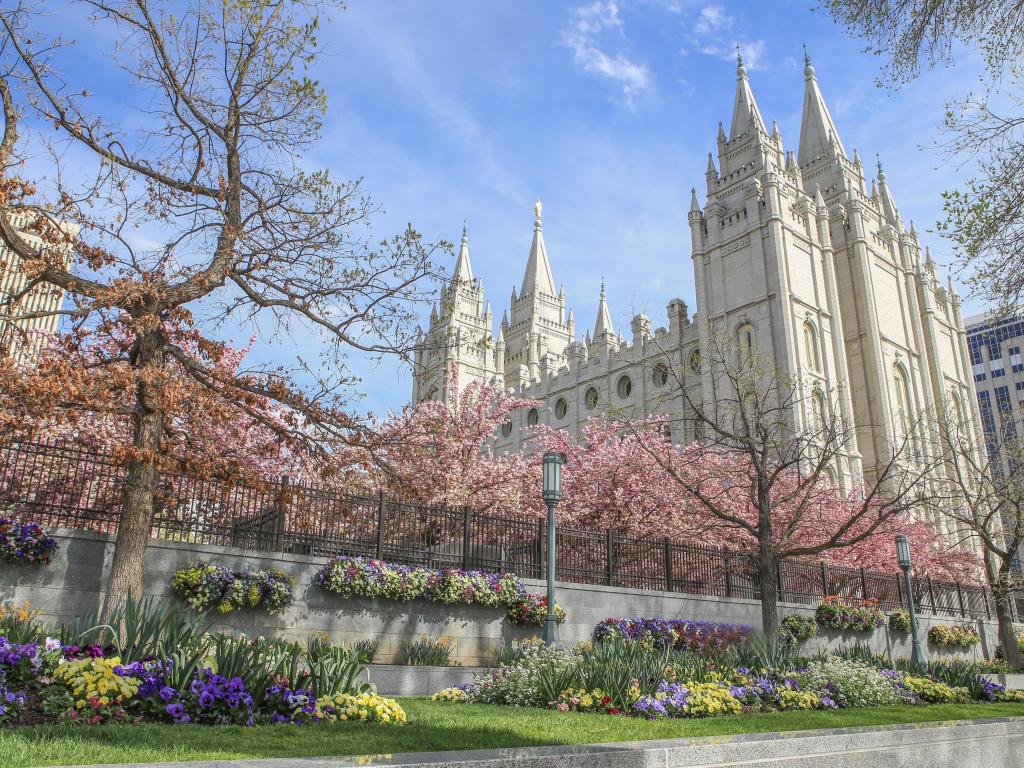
(61, 485)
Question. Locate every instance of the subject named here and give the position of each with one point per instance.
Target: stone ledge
(988, 743)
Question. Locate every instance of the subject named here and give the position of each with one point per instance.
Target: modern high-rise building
(995, 345)
(797, 252)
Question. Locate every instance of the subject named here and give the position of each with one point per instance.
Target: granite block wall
(72, 586)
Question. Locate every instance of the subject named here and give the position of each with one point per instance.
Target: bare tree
(986, 499)
(770, 453)
(236, 230)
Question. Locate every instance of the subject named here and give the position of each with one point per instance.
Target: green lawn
(433, 727)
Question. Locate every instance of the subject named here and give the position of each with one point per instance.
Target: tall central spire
(537, 278)
(818, 132)
(603, 323)
(463, 269)
(745, 114)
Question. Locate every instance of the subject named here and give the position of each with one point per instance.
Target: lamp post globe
(903, 558)
(552, 494)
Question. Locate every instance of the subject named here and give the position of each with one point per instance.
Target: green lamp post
(552, 495)
(903, 557)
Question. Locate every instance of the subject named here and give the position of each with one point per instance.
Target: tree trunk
(1002, 595)
(136, 523)
(768, 575)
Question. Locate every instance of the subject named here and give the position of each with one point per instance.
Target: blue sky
(605, 110)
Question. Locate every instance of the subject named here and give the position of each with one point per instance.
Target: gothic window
(506, 427)
(820, 412)
(830, 476)
(695, 361)
(958, 416)
(590, 399)
(811, 347)
(659, 376)
(745, 338)
(624, 387)
(667, 432)
(532, 417)
(904, 413)
(561, 408)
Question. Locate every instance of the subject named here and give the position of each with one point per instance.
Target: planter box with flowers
(24, 542)
(204, 587)
(356, 577)
(701, 637)
(849, 614)
(953, 636)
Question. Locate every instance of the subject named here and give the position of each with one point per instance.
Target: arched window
(830, 476)
(506, 427)
(811, 349)
(745, 339)
(958, 415)
(666, 431)
(695, 361)
(820, 410)
(659, 375)
(590, 399)
(904, 412)
(624, 387)
(561, 408)
(532, 417)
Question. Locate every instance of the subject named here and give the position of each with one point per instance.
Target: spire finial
(807, 58)
(465, 233)
(537, 211)
(808, 67)
(881, 173)
(739, 56)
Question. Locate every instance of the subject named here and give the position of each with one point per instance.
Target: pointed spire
(537, 278)
(463, 269)
(856, 157)
(694, 205)
(791, 161)
(501, 336)
(889, 210)
(818, 134)
(745, 114)
(603, 324)
(928, 257)
(504, 319)
(819, 200)
(712, 172)
(721, 133)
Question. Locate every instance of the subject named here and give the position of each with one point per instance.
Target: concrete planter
(399, 680)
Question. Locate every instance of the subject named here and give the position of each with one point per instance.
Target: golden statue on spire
(537, 209)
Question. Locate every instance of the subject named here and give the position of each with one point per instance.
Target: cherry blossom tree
(199, 212)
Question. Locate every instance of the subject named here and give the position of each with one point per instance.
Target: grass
(434, 726)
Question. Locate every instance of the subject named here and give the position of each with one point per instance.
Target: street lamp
(552, 495)
(903, 557)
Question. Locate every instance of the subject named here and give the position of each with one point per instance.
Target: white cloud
(714, 33)
(591, 22)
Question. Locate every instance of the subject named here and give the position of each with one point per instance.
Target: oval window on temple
(624, 387)
(590, 399)
(561, 408)
(660, 374)
(532, 417)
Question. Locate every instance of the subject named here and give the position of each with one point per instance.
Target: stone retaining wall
(72, 586)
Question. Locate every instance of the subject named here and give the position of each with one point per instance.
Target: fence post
(668, 564)
(282, 514)
(778, 581)
(380, 525)
(824, 580)
(728, 572)
(465, 537)
(899, 593)
(931, 595)
(863, 584)
(960, 596)
(610, 580)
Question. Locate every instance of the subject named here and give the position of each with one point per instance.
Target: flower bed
(953, 636)
(355, 577)
(25, 542)
(899, 621)
(797, 628)
(703, 637)
(205, 586)
(849, 615)
(165, 668)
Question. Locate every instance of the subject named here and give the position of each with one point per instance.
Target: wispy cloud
(592, 23)
(714, 32)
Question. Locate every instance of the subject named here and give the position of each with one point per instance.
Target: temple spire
(818, 134)
(537, 278)
(463, 269)
(745, 114)
(889, 210)
(603, 323)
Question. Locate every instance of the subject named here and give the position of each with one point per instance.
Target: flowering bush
(930, 690)
(24, 542)
(290, 706)
(368, 707)
(849, 615)
(1011, 694)
(204, 586)
(953, 636)
(365, 577)
(899, 621)
(98, 692)
(848, 683)
(11, 703)
(582, 700)
(689, 700)
(531, 611)
(701, 637)
(791, 698)
(522, 683)
(797, 628)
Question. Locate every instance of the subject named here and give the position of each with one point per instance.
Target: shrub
(24, 542)
(705, 637)
(849, 683)
(899, 621)
(797, 628)
(930, 690)
(532, 610)
(364, 577)
(428, 652)
(953, 636)
(204, 586)
(535, 678)
(844, 615)
(98, 692)
(450, 694)
(367, 707)
(689, 700)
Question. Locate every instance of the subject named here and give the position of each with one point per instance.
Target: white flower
(52, 644)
